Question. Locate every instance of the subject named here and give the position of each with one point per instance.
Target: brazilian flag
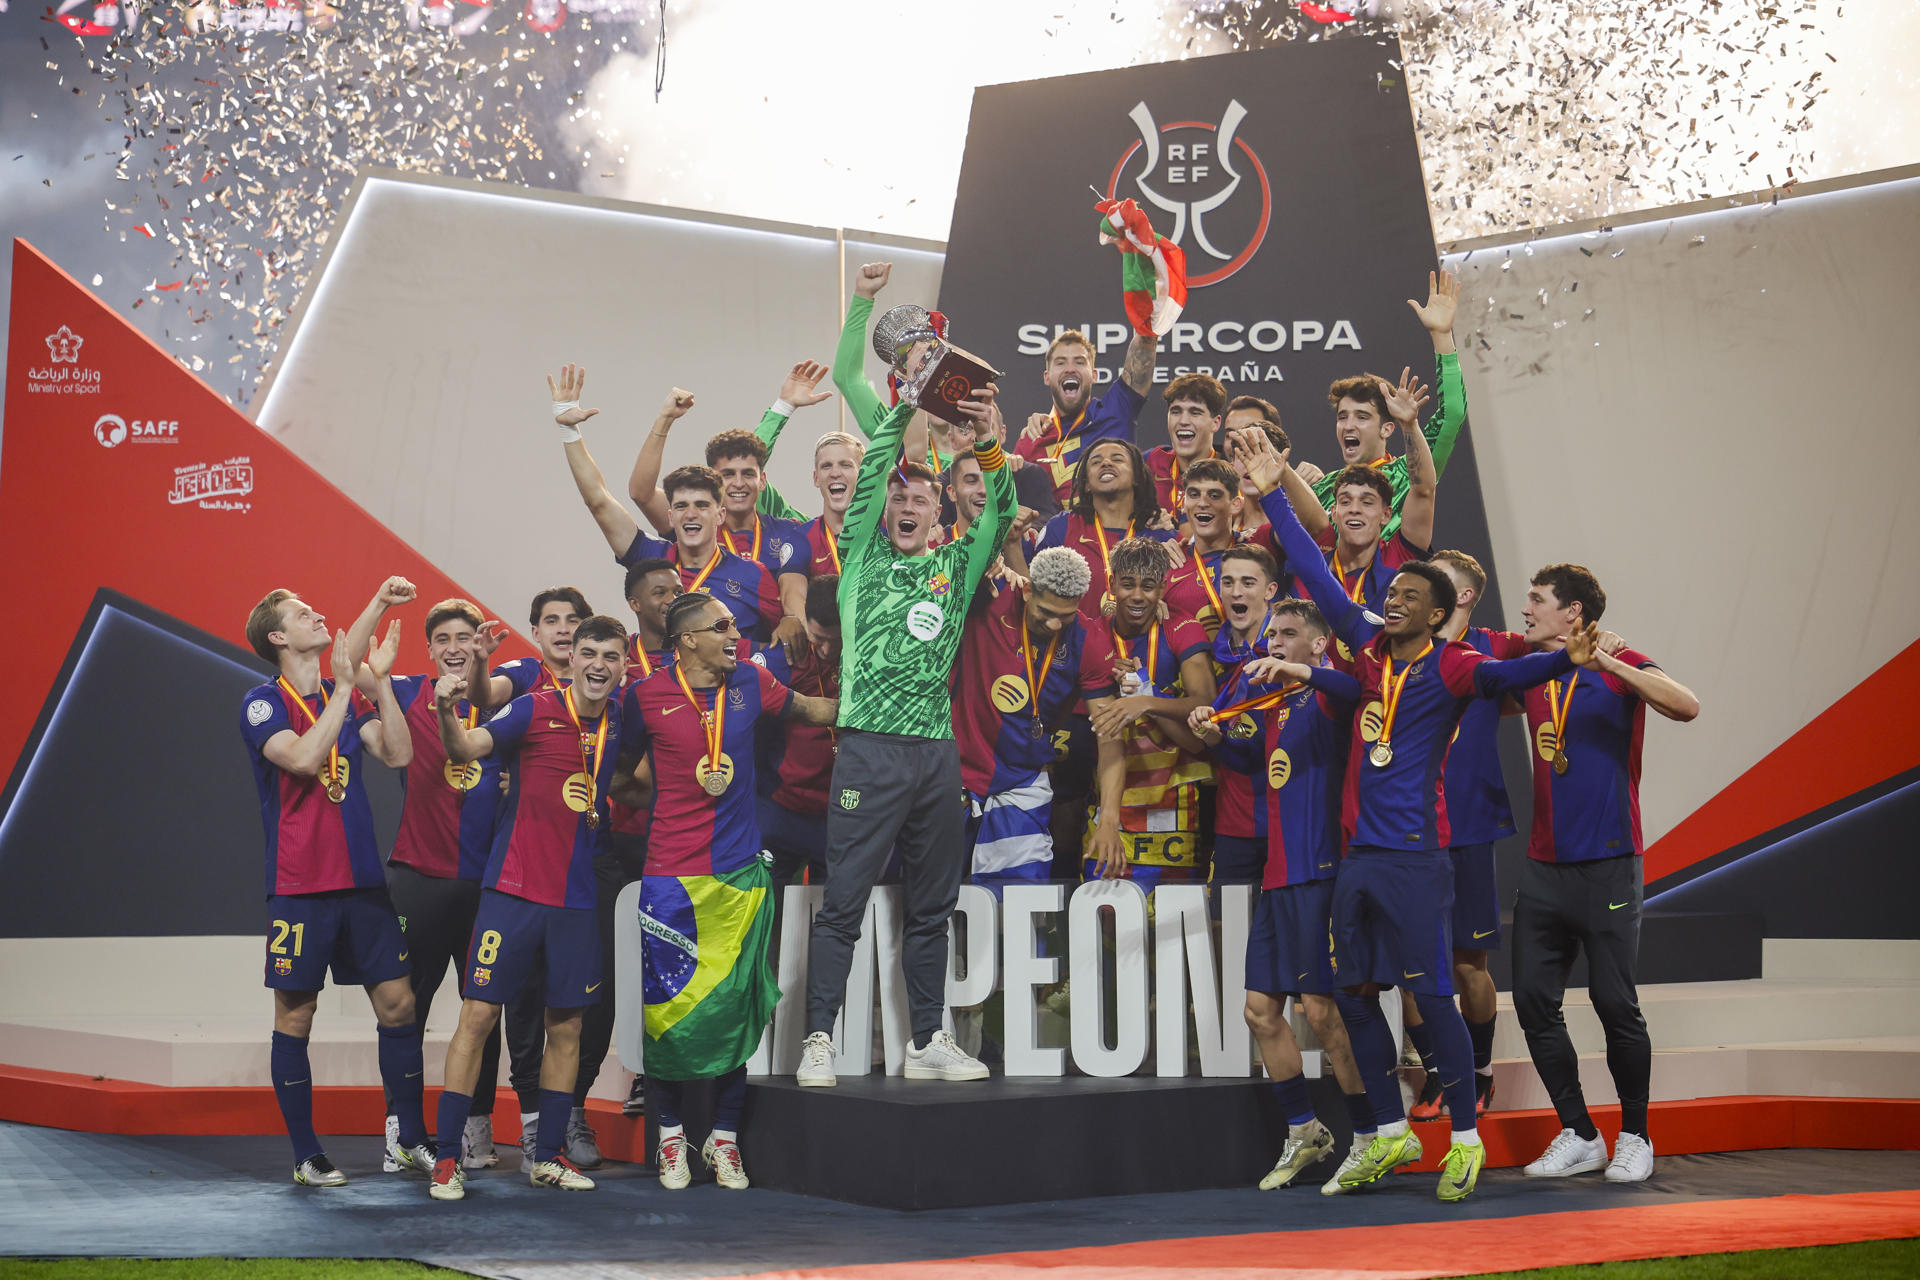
(708, 987)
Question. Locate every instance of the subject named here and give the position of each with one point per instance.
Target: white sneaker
(943, 1059)
(724, 1159)
(1297, 1155)
(1567, 1155)
(1355, 1157)
(816, 1063)
(1632, 1159)
(476, 1144)
(672, 1162)
(389, 1161)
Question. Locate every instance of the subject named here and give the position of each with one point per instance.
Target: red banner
(121, 469)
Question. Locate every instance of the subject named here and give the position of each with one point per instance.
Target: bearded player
(896, 779)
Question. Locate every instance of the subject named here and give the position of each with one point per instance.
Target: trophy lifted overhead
(927, 370)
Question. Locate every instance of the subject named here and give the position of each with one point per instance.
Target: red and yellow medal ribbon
(1055, 458)
(1179, 497)
(1206, 579)
(1359, 586)
(334, 771)
(1391, 689)
(726, 535)
(589, 764)
(1558, 707)
(1153, 657)
(712, 564)
(1256, 703)
(833, 543)
(1046, 668)
(639, 652)
(713, 723)
(1100, 536)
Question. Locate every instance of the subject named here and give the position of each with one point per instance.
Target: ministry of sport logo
(1208, 179)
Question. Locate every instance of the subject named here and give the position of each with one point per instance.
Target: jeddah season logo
(1209, 172)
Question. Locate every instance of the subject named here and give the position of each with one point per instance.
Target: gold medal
(461, 777)
(1560, 762)
(1558, 706)
(715, 777)
(336, 791)
(1381, 754)
(1243, 728)
(579, 791)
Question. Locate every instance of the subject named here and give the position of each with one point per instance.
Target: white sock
(1484, 1071)
(726, 1135)
(529, 1121)
(1466, 1137)
(672, 1131)
(1393, 1128)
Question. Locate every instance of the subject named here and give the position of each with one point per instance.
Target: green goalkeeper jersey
(1442, 432)
(900, 616)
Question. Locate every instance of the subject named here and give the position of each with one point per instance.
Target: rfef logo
(1209, 179)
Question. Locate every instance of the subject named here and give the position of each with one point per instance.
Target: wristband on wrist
(781, 407)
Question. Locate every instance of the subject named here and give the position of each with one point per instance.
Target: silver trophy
(946, 375)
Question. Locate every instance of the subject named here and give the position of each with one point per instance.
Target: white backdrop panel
(1717, 422)
(416, 382)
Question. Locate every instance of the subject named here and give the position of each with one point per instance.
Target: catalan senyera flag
(709, 988)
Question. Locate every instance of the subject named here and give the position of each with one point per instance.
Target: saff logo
(110, 430)
(1211, 182)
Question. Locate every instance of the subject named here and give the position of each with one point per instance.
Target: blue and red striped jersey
(1593, 809)
(777, 545)
(1476, 788)
(446, 823)
(1296, 769)
(1070, 530)
(695, 834)
(796, 760)
(750, 593)
(992, 712)
(313, 844)
(1110, 416)
(543, 846)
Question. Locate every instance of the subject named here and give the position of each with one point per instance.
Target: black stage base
(930, 1144)
(1675, 946)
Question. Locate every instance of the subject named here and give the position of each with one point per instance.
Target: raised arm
(1423, 482)
(1450, 413)
(491, 690)
(870, 488)
(302, 754)
(983, 540)
(1496, 677)
(1651, 685)
(386, 738)
(616, 525)
(643, 486)
(1142, 353)
(1263, 466)
(850, 357)
(796, 392)
(394, 591)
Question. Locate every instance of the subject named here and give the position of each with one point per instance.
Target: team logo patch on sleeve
(258, 710)
(849, 799)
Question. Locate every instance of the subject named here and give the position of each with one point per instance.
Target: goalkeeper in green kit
(896, 777)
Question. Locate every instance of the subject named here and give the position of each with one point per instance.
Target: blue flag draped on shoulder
(709, 989)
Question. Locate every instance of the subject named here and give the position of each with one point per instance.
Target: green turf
(1870, 1260)
(221, 1269)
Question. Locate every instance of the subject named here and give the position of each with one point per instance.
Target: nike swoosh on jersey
(1615, 906)
(555, 724)
(670, 708)
(1421, 974)
(1482, 933)
(595, 987)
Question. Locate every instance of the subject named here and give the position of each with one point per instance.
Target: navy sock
(665, 1095)
(452, 1118)
(730, 1099)
(1360, 1113)
(1481, 1033)
(1453, 1057)
(293, 1087)
(1291, 1094)
(404, 1074)
(556, 1108)
(1372, 1043)
(1421, 1034)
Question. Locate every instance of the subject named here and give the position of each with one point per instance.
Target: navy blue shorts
(352, 931)
(514, 940)
(797, 841)
(1476, 898)
(1393, 920)
(1290, 946)
(1239, 859)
